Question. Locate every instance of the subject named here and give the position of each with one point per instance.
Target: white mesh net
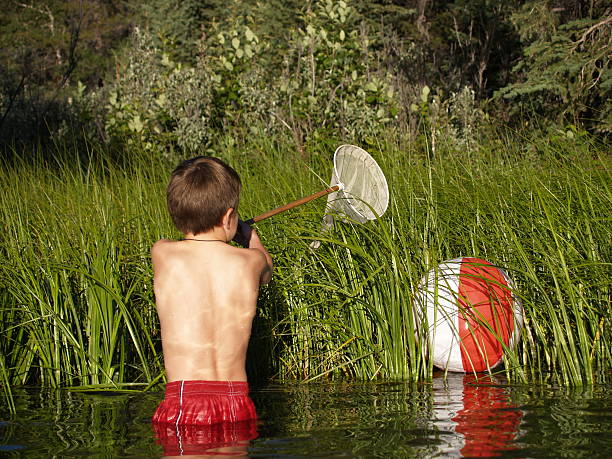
(365, 195)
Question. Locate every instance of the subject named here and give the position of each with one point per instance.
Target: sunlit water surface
(459, 417)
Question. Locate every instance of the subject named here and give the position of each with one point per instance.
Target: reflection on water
(458, 417)
(221, 439)
(478, 414)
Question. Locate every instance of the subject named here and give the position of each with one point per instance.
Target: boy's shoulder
(172, 255)
(162, 243)
(160, 246)
(166, 247)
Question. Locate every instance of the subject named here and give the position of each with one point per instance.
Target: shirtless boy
(206, 292)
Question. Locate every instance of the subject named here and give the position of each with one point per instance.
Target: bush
(157, 103)
(329, 82)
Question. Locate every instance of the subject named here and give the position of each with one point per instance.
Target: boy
(206, 293)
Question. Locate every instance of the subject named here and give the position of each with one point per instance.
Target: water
(460, 417)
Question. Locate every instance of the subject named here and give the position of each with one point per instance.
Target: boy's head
(200, 192)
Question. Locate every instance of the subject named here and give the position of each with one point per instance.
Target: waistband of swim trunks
(173, 389)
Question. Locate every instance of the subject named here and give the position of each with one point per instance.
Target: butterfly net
(364, 194)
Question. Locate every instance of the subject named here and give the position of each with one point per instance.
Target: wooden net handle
(293, 204)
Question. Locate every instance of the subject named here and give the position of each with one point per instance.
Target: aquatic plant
(75, 283)
(77, 307)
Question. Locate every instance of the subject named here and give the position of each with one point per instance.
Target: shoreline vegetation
(77, 308)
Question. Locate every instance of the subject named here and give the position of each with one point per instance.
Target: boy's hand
(243, 234)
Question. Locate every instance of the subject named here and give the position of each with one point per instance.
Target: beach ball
(467, 314)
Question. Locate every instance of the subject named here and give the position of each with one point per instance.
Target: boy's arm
(248, 238)
(255, 243)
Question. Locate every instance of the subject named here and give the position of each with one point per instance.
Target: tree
(47, 45)
(564, 73)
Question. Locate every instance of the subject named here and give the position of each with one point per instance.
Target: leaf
(236, 43)
(166, 60)
(135, 124)
(425, 93)
(248, 33)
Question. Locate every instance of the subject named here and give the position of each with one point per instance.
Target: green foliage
(308, 69)
(455, 121)
(565, 72)
(161, 104)
(474, 43)
(176, 27)
(157, 103)
(45, 47)
(76, 297)
(43, 39)
(331, 81)
(77, 306)
(236, 56)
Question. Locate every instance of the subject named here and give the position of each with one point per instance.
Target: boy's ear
(226, 220)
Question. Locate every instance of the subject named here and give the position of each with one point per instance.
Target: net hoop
(363, 193)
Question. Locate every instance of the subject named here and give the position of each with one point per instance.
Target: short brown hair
(200, 191)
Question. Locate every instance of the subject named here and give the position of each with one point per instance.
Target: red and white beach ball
(467, 313)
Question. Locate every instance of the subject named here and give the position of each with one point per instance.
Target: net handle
(293, 204)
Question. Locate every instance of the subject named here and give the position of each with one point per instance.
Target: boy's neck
(217, 234)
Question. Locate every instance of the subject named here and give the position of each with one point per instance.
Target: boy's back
(206, 294)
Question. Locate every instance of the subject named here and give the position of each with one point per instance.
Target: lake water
(459, 417)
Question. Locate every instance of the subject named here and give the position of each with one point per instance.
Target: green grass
(76, 306)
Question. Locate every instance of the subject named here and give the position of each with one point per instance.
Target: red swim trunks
(197, 416)
(205, 403)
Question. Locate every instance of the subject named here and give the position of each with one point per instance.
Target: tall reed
(77, 308)
(75, 283)
(541, 216)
